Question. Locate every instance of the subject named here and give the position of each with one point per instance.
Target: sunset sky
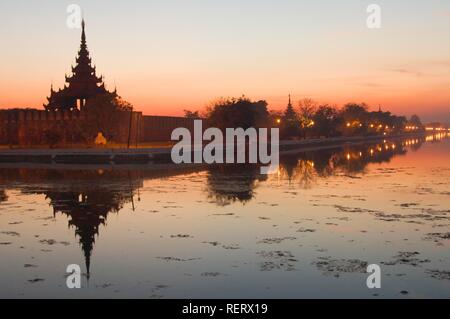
(166, 56)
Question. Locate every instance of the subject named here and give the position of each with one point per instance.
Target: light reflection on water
(308, 231)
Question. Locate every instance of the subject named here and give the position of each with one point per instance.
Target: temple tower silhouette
(81, 86)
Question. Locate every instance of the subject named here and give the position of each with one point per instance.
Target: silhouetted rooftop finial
(83, 33)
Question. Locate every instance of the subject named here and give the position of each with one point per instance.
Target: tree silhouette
(234, 113)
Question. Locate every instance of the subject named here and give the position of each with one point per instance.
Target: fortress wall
(159, 128)
(27, 127)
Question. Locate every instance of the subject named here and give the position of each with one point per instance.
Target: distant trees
(309, 119)
(385, 121)
(354, 116)
(237, 112)
(307, 108)
(415, 121)
(191, 114)
(326, 121)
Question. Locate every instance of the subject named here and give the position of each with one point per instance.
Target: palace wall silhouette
(159, 128)
(27, 127)
(66, 119)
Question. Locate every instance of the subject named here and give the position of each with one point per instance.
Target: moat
(230, 232)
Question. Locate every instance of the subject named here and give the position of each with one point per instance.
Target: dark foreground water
(228, 232)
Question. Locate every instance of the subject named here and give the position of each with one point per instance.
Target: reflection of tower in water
(87, 207)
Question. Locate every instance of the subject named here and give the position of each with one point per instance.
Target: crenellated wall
(159, 128)
(26, 127)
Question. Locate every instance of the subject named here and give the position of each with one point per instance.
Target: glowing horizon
(169, 56)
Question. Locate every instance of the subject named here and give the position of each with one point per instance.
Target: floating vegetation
(10, 233)
(33, 281)
(275, 240)
(277, 260)
(305, 230)
(211, 274)
(181, 236)
(177, 259)
(439, 274)
(29, 266)
(406, 258)
(335, 267)
(345, 209)
(231, 247)
(49, 242)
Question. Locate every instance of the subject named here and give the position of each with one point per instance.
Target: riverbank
(155, 155)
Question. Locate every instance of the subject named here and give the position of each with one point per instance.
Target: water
(228, 232)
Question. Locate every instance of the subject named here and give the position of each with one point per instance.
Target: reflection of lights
(384, 133)
(278, 121)
(348, 124)
(371, 151)
(371, 125)
(348, 156)
(360, 154)
(393, 146)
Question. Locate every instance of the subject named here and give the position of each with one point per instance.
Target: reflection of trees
(306, 172)
(230, 183)
(304, 168)
(298, 170)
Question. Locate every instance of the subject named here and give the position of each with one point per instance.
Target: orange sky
(168, 56)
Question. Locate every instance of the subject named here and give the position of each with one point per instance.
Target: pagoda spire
(83, 33)
(82, 84)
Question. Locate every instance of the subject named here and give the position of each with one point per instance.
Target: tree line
(307, 119)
